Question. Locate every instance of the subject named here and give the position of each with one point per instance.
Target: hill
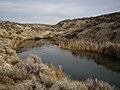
(97, 34)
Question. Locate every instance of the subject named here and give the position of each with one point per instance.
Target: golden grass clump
(106, 48)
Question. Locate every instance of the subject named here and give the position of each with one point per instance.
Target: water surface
(78, 65)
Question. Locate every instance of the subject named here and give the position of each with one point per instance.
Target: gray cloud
(52, 11)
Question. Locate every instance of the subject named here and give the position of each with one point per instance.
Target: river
(78, 65)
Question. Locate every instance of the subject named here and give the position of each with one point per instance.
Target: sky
(53, 11)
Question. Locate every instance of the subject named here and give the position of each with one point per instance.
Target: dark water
(79, 65)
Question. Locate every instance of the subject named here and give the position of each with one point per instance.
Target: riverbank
(106, 48)
(99, 34)
(31, 73)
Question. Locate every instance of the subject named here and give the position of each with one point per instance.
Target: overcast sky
(53, 11)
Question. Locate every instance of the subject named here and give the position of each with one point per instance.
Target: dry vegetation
(32, 74)
(97, 34)
(106, 48)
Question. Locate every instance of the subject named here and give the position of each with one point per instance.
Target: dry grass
(106, 48)
(32, 74)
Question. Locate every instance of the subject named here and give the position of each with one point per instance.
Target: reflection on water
(26, 45)
(79, 65)
(109, 62)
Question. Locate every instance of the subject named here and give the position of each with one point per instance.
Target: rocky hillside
(97, 34)
(97, 29)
